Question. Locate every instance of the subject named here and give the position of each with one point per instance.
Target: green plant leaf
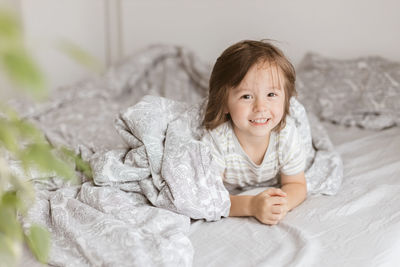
(38, 241)
(41, 156)
(28, 131)
(81, 165)
(25, 143)
(23, 71)
(10, 29)
(9, 224)
(13, 130)
(11, 199)
(25, 194)
(8, 135)
(80, 56)
(10, 250)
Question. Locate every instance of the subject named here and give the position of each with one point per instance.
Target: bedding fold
(166, 161)
(153, 174)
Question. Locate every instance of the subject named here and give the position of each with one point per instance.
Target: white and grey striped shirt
(285, 154)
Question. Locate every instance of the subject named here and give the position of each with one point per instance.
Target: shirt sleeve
(291, 151)
(216, 151)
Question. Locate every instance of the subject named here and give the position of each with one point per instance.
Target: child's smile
(260, 122)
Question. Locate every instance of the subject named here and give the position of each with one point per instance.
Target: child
(250, 132)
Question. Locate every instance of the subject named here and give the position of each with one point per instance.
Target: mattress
(360, 226)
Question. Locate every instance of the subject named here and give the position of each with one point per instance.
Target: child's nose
(260, 105)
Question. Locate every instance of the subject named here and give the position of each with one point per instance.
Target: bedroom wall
(48, 22)
(341, 28)
(113, 29)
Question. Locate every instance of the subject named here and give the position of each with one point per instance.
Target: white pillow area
(362, 92)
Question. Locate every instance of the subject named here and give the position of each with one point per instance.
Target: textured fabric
(170, 71)
(359, 226)
(94, 225)
(363, 92)
(284, 154)
(166, 161)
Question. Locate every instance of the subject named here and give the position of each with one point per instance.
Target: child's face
(256, 105)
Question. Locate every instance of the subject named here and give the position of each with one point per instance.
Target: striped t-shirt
(285, 155)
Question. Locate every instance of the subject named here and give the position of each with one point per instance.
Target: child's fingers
(277, 209)
(269, 222)
(271, 219)
(275, 192)
(277, 201)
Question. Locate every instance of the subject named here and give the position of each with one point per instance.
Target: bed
(356, 225)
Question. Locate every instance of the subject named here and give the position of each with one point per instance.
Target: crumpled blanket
(166, 161)
(168, 164)
(148, 128)
(324, 166)
(95, 225)
(115, 220)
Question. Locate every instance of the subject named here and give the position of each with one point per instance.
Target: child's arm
(267, 206)
(240, 206)
(296, 189)
(271, 205)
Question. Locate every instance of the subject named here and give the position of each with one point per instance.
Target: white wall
(111, 29)
(340, 28)
(47, 22)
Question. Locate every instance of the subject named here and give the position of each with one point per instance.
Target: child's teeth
(260, 120)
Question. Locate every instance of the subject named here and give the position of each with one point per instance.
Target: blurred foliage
(15, 59)
(22, 143)
(80, 56)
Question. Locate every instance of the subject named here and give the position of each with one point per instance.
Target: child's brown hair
(230, 69)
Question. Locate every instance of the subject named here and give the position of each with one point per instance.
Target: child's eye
(271, 94)
(246, 96)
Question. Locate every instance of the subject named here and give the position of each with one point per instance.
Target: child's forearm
(240, 206)
(296, 194)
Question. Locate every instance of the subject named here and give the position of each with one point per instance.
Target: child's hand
(270, 206)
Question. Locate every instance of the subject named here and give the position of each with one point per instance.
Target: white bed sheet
(360, 226)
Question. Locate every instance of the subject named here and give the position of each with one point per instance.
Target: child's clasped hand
(270, 206)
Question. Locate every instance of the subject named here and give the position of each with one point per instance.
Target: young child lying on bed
(251, 135)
